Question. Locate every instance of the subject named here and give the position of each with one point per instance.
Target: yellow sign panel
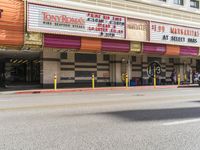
(33, 38)
(136, 47)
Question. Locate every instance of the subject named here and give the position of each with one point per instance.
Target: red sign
(11, 22)
(62, 19)
(1, 11)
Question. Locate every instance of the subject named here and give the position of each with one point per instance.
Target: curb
(44, 91)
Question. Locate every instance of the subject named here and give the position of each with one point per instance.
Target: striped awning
(90, 44)
(115, 45)
(154, 48)
(61, 41)
(172, 50)
(189, 51)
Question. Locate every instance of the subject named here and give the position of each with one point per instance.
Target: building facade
(77, 38)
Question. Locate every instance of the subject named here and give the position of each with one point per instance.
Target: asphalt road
(149, 119)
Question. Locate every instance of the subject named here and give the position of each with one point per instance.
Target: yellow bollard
(55, 81)
(126, 80)
(185, 77)
(93, 83)
(154, 76)
(179, 79)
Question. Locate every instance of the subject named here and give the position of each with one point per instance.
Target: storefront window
(194, 4)
(179, 2)
(21, 71)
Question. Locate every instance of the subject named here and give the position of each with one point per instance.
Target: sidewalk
(40, 91)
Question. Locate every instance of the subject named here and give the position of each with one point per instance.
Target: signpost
(154, 68)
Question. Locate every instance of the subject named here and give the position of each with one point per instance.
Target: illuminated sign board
(174, 34)
(49, 19)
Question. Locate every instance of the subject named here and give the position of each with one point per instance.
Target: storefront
(181, 49)
(77, 44)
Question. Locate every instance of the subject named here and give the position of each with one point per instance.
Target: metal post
(129, 71)
(154, 76)
(126, 80)
(185, 77)
(93, 83)
(179, 79)
(55, 81)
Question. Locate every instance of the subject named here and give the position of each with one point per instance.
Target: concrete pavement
(150, 119)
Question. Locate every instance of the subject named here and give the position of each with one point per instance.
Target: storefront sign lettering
(1, 12)
(179, 39)
(48, 19)
(106, 25)
(62, 19)
(174, 34)
(137, 26)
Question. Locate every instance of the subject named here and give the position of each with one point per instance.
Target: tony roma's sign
(49, 19)
(174, 34)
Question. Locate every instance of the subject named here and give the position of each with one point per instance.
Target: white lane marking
(6, 100)
(181, 122)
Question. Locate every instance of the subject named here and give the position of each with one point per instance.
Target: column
(129, 69)
(50, 66)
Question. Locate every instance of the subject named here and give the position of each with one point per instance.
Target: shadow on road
(156, 114)
(196, 101)
(189, 86)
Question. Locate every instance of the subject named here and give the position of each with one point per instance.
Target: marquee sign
(49, 19)
(137, 30)
(174, 34)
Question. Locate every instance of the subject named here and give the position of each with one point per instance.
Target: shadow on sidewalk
(156, 114)
(20, 87)
(189, 86)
